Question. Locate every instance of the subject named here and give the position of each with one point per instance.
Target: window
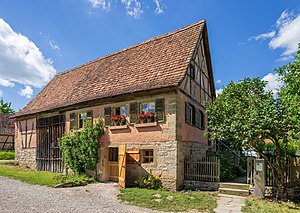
(189, 113)
(114, 154)
(147, 107)
(122, 110)
(192, 72)
(78, 120)
(148, 156)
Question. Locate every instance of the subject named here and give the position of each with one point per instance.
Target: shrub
(7, 155)
(149, 182)
(80, 150)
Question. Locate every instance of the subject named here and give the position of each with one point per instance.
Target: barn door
(122, 165)
(48, 154)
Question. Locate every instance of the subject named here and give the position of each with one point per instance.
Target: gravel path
(16, 196)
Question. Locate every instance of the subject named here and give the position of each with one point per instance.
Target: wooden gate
(48, 154)
(122, 165)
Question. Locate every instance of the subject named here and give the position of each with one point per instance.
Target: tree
(244, 115)
(6, 108)
(289, 94)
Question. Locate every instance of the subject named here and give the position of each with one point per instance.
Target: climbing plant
(80, 148)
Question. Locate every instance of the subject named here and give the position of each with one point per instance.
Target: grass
(7, 155)
(41, 178)
(164, 200)
(265, 206)
(30, 176)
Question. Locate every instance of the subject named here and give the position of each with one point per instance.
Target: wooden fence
(206, 169)
(292, 172)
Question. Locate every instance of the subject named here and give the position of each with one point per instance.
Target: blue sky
(41, 38)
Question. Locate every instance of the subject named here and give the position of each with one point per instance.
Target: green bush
(80, 150)
(7, 155)
(149, 182)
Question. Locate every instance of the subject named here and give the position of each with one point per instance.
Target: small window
(122, 110)
(114, 154)
(192, 72)
(83, 117)
(189, 113)
(148, 156)
(147, 107)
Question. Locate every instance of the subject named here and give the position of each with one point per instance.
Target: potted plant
(150, 117)
(142, 117)
(115, 120)
(122, 120)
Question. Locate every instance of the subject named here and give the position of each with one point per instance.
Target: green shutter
(187, 113)
(73, 121)
(202, 120)
(198, 118)
(107, 116)
(133, 110)
(160, 110)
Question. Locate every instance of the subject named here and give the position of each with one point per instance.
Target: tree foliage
(80, 149)
(6, 108)
(244, 115)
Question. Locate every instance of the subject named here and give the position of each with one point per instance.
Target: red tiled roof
(156, 63)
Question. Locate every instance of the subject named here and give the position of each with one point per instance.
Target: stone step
(234, 186)
(237, 192)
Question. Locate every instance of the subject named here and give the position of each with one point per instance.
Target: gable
(198, 83)
(160, 62)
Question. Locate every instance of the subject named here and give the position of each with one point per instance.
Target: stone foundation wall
(293, 193)
(164, 165)
(192, 150)
(204, 186)
(26, 157)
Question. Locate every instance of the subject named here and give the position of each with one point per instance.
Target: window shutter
(107, 116)
(72, 121)
(187, 113)
(160, 110)
(198, 118)
(133, 110)
(202, 120)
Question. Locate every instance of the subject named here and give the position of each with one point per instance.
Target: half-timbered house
(169, 75)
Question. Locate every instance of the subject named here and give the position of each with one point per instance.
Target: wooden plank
(122, 165)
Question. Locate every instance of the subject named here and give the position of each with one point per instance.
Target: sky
(39, 39)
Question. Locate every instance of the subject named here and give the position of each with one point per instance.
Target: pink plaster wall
(20, 133)
(186, 132)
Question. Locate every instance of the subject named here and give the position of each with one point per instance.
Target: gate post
(259, 178)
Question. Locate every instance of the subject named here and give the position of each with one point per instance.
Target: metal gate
(48, 154)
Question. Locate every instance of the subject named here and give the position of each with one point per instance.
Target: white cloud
(133, 8)
(26, 92)
(285, 36)
(263, 36)
(158, 9)
(54, 45)
(1, 93)
(218, 81)
(288, 35)
(218, 92)
(273, 82)
(104, 4)
(6, 83)
(21, 61)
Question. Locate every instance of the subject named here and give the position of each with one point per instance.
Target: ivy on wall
(80, 149)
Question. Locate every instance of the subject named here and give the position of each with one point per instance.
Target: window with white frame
(147, 155)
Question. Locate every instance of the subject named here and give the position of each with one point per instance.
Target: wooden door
(122, 165)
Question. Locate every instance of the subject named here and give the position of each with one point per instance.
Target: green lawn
(164, 200)
(30, 176)
(264, 206)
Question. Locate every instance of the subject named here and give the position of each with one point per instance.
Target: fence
(292, 172)
(206, 169)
